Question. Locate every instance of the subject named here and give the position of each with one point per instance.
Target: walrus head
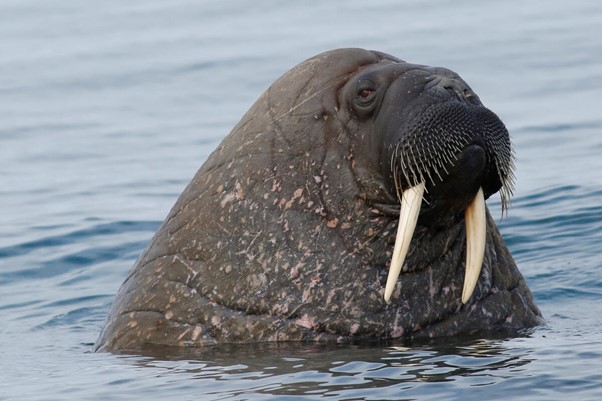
(439, 146)
(287, 231)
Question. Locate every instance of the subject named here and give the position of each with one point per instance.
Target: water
(108, 109)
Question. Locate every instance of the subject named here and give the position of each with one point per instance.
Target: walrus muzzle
(459, 151)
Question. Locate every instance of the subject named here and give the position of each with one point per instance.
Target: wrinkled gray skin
(286, 232)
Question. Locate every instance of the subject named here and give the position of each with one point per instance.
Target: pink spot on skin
(397, 332)
(196, 333)
(280, 309)
(239, 193)
(306, 321)
(181, 336)
(215, 321)
(305, 296)
(330, 295)
(227, 199)
(296, 195)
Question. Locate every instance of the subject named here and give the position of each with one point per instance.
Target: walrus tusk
(411, 200)
(475, 243)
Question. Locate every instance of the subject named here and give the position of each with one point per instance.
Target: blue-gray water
(108, 108)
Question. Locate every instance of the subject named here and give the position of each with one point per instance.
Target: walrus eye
(365, 97)
(366, 93)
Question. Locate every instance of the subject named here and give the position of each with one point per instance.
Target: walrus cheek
(475, 219)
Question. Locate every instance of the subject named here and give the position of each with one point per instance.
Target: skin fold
(287, 230)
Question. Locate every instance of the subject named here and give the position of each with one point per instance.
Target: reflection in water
(345, 371)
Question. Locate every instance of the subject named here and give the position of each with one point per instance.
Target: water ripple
(77, 249)
(555, 221)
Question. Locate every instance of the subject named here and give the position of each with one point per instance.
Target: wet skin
(287, 230)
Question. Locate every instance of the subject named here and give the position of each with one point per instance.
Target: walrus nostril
(462, 94)
(471, 97)
(450, 86)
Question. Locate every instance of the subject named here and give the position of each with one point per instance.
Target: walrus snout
(453, 194)
(426, 117)
(453, 143)
(450, 154)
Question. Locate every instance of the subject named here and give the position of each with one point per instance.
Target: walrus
(347, 205)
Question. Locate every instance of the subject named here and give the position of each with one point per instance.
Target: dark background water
(108, 109)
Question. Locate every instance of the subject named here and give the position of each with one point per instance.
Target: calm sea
(107, 109)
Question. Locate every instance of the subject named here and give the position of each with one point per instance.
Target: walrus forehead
(387, 70)
(383, 73)
(323, 82)
(311, 86)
